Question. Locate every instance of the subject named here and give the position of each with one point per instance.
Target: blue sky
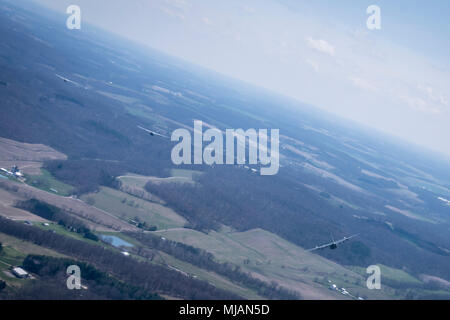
(396, 79)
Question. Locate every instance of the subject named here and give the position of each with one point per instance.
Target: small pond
(115, 241)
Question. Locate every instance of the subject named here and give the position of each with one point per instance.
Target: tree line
(149, 277)
(205, 260)
(52, 213)
(51, 283)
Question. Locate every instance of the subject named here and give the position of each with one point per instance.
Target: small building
(19, 272)
(15, 172)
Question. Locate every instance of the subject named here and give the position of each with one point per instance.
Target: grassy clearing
(392, 274)
(63, 231)
(134, 180)
(176, 176)
(45, 181)
(183, 173)
(409, 214)
(13, 254)
(126, 207)
(134, 184)
(208, 276)
(270, 257)
(10, 257)
(188, 269)
(27, 247)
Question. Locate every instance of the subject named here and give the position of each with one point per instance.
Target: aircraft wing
(67, 80)
(345, 239)
(152, 132)
(331, 243)
(320, 247)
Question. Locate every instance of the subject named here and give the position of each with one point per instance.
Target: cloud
(175, 8)
(207, 21)
(362, 84)
(178, 3)
(434, 96)
(321, 46)
(313, 64)
(172, 13)
(419, 104)
(248, 9)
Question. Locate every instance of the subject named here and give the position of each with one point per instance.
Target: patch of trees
(244, 201)
(51, 283)
(85, 175)
(205, 260)
(52, 277)
(142, 224)
(52, 213)
(150, 277)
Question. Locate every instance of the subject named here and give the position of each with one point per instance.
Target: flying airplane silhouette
(152, 133)
(67, 80)
(332, 245)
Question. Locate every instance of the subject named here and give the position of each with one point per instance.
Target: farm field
(27, 156)
(45, 181)
(128, 207)
(97, 218)
(271, 258)
(14, 252)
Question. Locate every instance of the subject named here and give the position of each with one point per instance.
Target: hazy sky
(396, 79)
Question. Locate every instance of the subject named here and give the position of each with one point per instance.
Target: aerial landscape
(86, 136)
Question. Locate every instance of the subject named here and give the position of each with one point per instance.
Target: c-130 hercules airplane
(332, 245)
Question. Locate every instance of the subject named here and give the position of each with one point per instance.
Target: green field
(63, 231)
(45, 181)
(392, 274)
(416, 288)
(208, 276)
(134, 180)
(272, 258)
(183, 173)
(10, 257)
(173, 263)
(176, 175)
(14, 252)
(126, 207)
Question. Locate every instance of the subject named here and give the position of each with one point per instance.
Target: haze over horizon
(320, 54)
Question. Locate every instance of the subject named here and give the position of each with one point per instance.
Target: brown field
(7, 201)
(27, 247)
(95, 216)
(28, 157)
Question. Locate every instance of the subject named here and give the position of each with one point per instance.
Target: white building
(19, 272)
